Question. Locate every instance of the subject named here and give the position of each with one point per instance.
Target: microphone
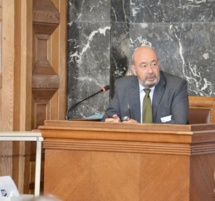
(103, 89)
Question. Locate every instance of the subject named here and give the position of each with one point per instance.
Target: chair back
(201, 110)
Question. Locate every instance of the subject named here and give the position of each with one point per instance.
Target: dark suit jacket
(170, 98)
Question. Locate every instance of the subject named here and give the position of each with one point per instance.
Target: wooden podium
(96, 161)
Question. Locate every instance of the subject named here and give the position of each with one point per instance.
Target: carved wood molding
(45, 81)
(131, 147)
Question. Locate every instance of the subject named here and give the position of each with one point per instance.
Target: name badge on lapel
(166, 119)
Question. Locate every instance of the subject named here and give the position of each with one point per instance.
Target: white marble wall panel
(103, 34)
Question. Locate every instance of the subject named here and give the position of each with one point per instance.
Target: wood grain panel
(107, 171)
(58, 59)
(20, 51)
(8, 56)
(45, 80)
(164, 177)
(7, 89)
(202, 167)
(106, 166)
(0, 63)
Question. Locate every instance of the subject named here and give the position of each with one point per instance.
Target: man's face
(146, 66)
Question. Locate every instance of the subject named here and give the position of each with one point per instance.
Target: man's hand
(113, 119)
(130, 121)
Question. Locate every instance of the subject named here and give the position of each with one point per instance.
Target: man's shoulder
(126, 82)
(127, 79)
(170, 77)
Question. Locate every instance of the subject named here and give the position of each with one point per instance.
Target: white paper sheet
(8, 187)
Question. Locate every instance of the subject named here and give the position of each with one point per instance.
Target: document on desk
(8, 187)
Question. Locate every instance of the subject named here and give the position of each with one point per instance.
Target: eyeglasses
(152, 64)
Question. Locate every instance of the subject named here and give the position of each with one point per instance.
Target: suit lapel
(134, 99)
(158, 93)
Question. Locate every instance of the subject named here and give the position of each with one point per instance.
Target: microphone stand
(107, 87)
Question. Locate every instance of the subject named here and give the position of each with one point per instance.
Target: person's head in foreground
(45, 198)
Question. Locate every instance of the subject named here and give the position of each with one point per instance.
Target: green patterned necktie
(147, 108)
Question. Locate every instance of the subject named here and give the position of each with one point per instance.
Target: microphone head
(105, 88)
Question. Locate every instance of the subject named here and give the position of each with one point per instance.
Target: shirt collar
(141, 87)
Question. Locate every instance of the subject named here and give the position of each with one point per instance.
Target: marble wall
(103, 34)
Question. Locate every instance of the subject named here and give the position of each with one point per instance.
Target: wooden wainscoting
(32, 77)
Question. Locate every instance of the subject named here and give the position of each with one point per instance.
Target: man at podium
(149, 95)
